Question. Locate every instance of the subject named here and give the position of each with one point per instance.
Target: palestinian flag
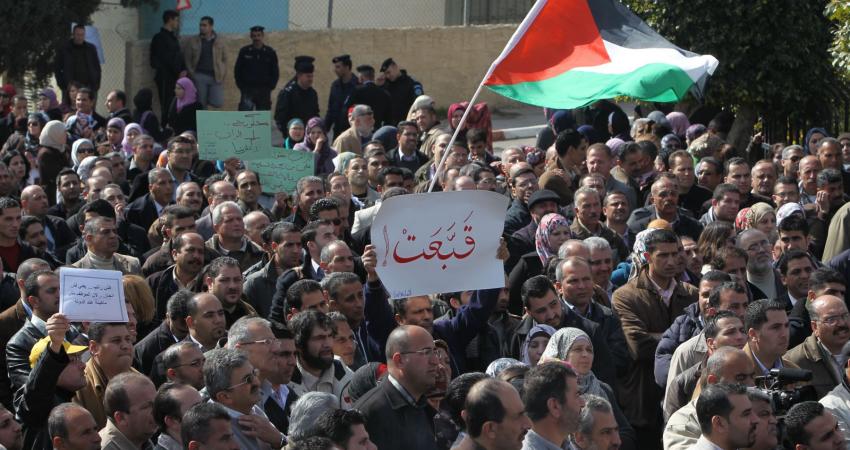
(569, 53)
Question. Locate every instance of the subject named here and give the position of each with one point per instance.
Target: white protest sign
(439, 242)
(91, 295)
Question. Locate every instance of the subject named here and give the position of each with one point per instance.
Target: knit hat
(53, 135)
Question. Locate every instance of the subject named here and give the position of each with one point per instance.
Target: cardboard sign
(246, 135)
(439, 242)
(282, 171)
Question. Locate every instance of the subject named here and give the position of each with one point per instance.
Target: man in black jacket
(57, 373)
(397, 414)
(256, 73)
(172, 329)
(59, 235)
(77, 61)
(665, 205)
(297, 99)
(167, 59)
(402, 88)
(369, 93)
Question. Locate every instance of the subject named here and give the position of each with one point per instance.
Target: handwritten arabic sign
(439, 242)
(281, 171)
(227, 134)
(91, 295)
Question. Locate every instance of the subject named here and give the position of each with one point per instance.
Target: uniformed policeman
(337, 115)
(369, 93)
(256, 73)
(403, 90)
(297, 98)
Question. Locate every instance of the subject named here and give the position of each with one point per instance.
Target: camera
(776, 386)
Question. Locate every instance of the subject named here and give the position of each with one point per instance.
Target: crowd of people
(655, 276)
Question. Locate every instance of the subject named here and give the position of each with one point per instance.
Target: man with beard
(830, 332)
(597, 428)
(111, 348)
(68, 185)
(205, 321)
(763, 279)
(187, 251)
(767, 432)
(223, 278)
(726, 418)
(317, 370)
(552, 422)
(397, 415)
(307, 190)
(234, 383)
(725, 204)
(665, 201)
(189, 195)
(407, 154)
(355, 137)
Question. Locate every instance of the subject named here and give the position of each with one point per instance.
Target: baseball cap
(41, 346)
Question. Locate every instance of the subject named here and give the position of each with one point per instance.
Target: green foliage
(33, 29)
(774, 54)
(839, 12)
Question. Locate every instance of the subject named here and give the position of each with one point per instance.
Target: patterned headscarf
(496, 367)
(548, 224)
(742, 220)
(536, 330)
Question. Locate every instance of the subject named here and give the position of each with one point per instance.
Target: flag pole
(518, 33)
(460, 124)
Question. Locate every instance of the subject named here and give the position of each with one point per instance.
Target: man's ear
(399, 320)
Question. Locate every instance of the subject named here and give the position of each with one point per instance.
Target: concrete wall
(116, 26)
(313, 14)
(449, 61)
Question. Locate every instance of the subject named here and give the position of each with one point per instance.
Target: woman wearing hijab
(131, 132)
(80, 150)
(552, 231)
(679, 122)
(618, 126)
(316, 141)
(181, 113)
(48, 104)
(573, 346)
(812, 137)
(479, 118)
(760, 216)
(144, 116)
(35, 122)
(295, 133)
(535, 343)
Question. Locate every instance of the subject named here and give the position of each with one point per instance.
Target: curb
(516, 133)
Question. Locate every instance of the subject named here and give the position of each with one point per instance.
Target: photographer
(830, 331)
(809, 426)
(726, 365)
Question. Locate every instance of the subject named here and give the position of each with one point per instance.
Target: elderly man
(218, 192)
(807, 175)
(412, 365)
(233, 383)
(353, 139)
(665, 200)
(101, 241)
(830, 332)
(229, 238)
(129, 407)
(307, 191)
(597, 427)
(763, 279)
(190, 195)
(254, 337)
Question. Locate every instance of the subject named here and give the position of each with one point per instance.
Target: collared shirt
(534, 441)
(587, 230)
(168, 443)
(280, 394)
(243, 440)
(764, 370)
(407, 397)
(585, 315)
(226, 252)
(159, 207)
(323, 383)
(317, 268)
(805, 198)
(793, 300)
(665, 294)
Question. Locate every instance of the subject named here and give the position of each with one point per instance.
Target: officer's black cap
(387, 63)
(304, 64)
(345, 59)
(259, 28)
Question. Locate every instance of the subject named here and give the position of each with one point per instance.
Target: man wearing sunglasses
(234, 383)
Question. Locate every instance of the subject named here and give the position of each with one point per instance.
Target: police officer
(341, 89)
(256, 73)
(402, 88)
(297, 98)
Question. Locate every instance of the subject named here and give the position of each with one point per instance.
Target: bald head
(574, 247)
(399, 339)
(830, 321)
(729, 365)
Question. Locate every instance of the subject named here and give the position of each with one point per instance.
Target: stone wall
(449, 61)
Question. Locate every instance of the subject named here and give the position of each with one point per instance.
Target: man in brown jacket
(647, 305)
(830, 332)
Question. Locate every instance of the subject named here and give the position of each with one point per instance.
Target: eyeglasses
(195, 363)
(833, 320)
(247, 379)
(427, 352)
(261, 341)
